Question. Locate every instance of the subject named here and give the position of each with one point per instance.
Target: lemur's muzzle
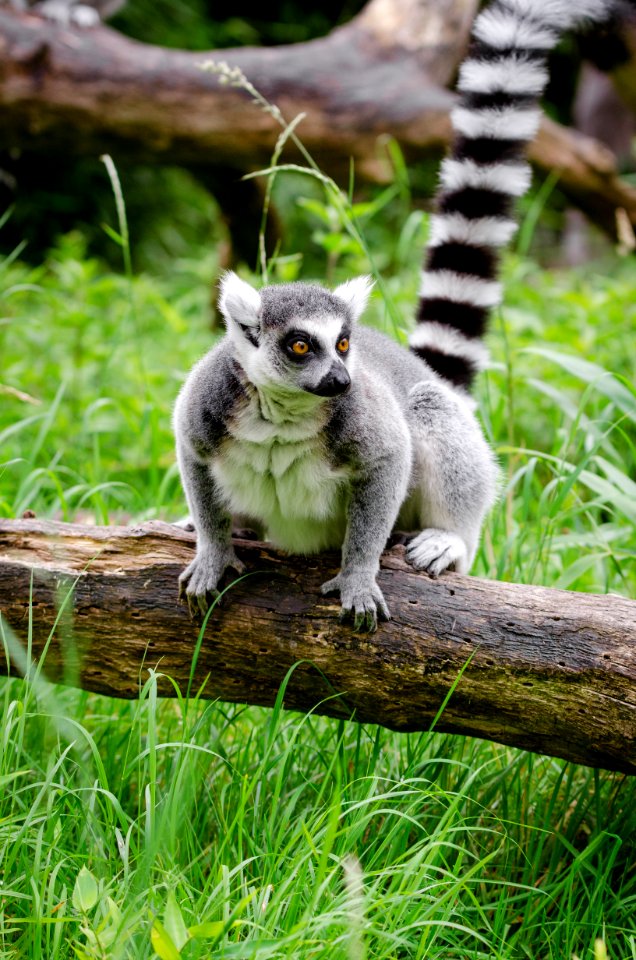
(335, 382)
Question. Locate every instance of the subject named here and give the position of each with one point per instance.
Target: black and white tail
(500, 85)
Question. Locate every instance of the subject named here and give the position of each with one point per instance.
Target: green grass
(254, 827)
(174, 828)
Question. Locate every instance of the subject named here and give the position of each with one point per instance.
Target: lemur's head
(294, 335)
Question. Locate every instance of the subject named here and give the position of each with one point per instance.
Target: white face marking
(255, 362)
(328, 333)
(326, 330)
(267, 367)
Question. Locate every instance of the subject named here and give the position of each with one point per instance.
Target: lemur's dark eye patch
(298, 346)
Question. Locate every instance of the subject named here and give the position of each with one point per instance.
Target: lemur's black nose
(336, 381)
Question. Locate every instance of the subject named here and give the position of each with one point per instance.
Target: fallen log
(541, 669)
(88, 92)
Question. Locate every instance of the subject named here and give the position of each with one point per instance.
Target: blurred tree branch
(386, 72)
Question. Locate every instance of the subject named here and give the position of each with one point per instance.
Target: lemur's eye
(343, 345)
(300, 347)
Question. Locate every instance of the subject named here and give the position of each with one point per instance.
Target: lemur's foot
(185, 523)
(437, 550)
(66, 14)
(361, 599)
(198, 584)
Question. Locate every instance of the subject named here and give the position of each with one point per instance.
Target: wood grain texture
(87, 92)
(544, 670)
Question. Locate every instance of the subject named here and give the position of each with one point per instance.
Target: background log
(545, 670)
(94, 91)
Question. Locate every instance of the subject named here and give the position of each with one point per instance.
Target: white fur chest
(274, 468)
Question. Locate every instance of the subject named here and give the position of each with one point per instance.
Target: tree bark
(540, 669)
(612, 49)
(386, 72)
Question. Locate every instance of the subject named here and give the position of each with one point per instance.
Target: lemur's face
(295, 336)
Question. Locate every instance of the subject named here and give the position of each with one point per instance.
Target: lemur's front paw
(198, 584)
(361, 600)
(437, 550)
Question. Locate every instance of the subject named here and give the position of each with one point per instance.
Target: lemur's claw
(359, 620)
(362, 602)
(198, 582)
(198, 604)
(202, 604)
(365, 621)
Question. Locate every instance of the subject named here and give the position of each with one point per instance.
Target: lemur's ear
(355, 294)
(239, 303)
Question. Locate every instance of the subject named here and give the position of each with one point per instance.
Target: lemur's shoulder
(212, 394)
(369, 423)
(391, 362)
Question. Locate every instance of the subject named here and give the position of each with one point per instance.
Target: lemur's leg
(213, 522)
(375, 499)
(455, 478)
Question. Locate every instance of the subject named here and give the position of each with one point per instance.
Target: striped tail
(500, 85)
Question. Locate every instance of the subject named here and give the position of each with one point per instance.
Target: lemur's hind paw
(185, 523)
(437, 550)
(65, 13)
(361, 599)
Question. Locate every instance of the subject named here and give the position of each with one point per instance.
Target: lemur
(79, 13)
(324, 433)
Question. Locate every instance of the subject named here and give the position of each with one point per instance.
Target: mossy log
(68, 91)
(536, 668)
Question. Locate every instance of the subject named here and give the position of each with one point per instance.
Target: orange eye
(343, 345)
(300, 347)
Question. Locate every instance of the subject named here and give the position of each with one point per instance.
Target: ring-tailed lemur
(80, 13)
(323, 433)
